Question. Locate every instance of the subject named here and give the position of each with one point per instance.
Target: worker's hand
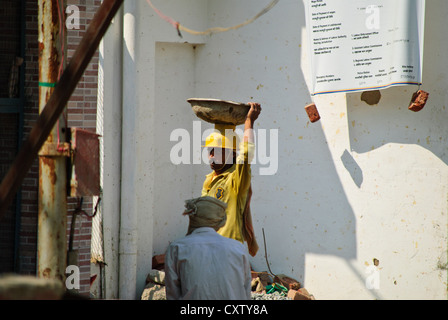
(254, 111)
(252, 115)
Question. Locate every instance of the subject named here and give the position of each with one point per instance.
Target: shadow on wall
(323, 221)
(374, 125)
(390, 121)
(303, 208)
(312, 213)
(307, 210)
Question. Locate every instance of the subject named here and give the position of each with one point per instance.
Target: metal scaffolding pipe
(55, 105)
(57, 101)
(52, 202)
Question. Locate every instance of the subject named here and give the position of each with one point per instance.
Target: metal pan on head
(219, 111)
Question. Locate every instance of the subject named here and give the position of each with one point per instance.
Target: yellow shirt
(232, 187)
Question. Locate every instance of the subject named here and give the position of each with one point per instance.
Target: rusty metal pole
(57, 102)
(52, 219)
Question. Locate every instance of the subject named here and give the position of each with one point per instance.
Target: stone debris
(264, 286)
(156, 276)
(269, 296)
(154, 291)
(155, 286)
(277, 287)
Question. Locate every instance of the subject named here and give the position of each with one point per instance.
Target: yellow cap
(223, 137)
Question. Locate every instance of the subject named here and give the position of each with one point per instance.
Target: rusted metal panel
(55, 150)
(85, 173)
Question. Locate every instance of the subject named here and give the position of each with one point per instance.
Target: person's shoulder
(209, 175)
(232, 242)
(178, 242)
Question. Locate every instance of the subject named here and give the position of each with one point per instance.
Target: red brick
(418, 100)
(158, 261)
(287, 282)
(301, 294)
(312, 112)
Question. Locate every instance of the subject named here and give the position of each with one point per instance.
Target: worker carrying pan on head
(230, 180)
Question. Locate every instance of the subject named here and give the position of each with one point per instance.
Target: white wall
(364, 182)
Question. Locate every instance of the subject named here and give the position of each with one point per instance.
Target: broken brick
(158, 262)
(264, 277)
(257, 285)
(312, 112)
(418, 100)
(287, 282)
(301, 294)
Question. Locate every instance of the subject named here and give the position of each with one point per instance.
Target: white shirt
(207, 266)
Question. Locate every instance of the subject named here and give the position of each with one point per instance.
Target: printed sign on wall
(359, 45)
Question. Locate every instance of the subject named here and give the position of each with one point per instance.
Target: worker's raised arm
(242, 175)
(252, 115)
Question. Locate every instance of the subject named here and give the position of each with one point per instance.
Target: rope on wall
(180, 27)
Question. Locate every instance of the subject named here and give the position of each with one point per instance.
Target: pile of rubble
(155, 286)
(264, 285)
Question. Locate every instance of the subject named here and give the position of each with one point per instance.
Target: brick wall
(9, 122)
(81, 112)
(8, 147)
(9, 41)
(82, 105)
(29, 206)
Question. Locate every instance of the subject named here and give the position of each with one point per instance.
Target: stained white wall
(365, 182)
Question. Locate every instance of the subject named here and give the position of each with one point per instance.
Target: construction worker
(230, 180)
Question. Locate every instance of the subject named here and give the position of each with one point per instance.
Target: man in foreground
(205, 265)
